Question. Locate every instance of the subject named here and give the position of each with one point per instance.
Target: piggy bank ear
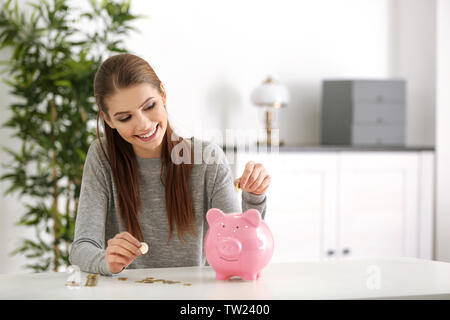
(213, 214)
(253, 216)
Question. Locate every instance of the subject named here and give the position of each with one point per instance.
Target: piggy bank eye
(223, 225)
(237, 227)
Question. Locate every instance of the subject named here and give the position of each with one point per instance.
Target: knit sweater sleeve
(88, 250)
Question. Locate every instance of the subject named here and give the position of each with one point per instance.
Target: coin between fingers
(143, 248)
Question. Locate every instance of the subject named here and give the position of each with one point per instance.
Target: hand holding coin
(255, 179)
(121, 251)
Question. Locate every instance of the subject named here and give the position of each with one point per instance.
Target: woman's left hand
(255, 179)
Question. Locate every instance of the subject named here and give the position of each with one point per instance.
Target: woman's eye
(147, 108)
(150, 106)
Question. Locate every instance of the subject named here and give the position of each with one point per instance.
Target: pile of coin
(146, 280)
(153, 280)
(91, 280)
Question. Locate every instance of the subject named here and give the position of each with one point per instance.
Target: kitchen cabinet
(348, 204)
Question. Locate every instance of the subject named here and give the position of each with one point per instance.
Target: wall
(414, 47)
(443, 132)
(211, 55)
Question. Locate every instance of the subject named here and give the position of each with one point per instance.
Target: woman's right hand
(121, 251)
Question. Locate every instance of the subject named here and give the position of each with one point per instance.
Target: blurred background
(329, 200)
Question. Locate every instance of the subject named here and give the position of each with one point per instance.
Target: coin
(144, 248)
(148, 281)
(238, 186)
(122, 279)
(153, 280)
(188, 284)
(91, 280)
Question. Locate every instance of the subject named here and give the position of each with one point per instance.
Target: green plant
(51, 72)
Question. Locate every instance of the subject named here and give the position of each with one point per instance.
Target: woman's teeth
(150, 133)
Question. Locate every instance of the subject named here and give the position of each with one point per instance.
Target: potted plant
(50, 73)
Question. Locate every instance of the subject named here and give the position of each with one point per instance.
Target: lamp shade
(270, 94)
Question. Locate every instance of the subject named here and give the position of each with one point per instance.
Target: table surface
(401, 278)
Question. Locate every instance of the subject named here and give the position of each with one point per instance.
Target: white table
(403, 278)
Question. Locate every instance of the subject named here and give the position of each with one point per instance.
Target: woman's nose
(143, 123)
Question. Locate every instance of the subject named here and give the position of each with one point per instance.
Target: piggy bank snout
(229, 248)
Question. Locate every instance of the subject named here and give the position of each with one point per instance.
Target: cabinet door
(377, 204)
(300, 199)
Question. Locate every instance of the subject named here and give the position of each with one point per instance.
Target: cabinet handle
(346, 251)
(330, 252)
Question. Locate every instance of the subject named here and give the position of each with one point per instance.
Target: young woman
(133, 191)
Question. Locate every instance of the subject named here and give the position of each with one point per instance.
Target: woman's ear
(104, 117)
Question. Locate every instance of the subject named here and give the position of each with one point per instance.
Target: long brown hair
(124, 71)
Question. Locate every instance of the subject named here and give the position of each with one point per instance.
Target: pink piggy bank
(237, 244)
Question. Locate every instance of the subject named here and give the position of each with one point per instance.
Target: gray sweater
(98, 220)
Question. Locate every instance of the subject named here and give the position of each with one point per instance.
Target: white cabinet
(377, 204)
(298, 200)
(328, 205)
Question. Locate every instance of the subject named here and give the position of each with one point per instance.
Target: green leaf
(63, 83)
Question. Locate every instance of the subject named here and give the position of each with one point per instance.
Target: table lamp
(270, 95)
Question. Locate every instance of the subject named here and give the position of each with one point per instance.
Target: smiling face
(136, 113)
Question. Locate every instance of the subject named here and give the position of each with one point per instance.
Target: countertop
(400, 278)
(327, 148)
